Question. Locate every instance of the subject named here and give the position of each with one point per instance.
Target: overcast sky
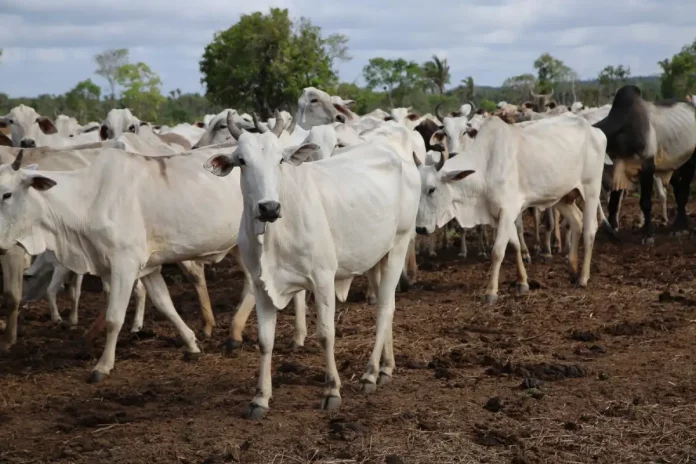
(49, 44)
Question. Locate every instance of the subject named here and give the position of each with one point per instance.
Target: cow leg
(244, 308)
(300, 303)
(12, 275)
(382, 357)
(681, 182)
(555, 216)
(463, 252)
(482, 239)
(60, 275)
(547, 252)
(445, 237)
(536, 215)
(432, 245)
(373, 278)
(505, 228)
(411, 262)
(614, 207)
(646, 187)
(75, 293)
(195, 272)
(519, 226)
(267, 315)
(572, 213)
(662, 195)
(159, 294)
(325, 300)
(140, 299)
(120, 286)
(589, 232)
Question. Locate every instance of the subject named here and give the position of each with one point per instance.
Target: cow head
(404, 116)
(540, 101)
(217, 131)
(315, 108)
(117, 122)
(436, 206)
(27, 127)
(17, 213)
(262, 160)
(455, 129)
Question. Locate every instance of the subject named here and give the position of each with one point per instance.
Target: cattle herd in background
(316, 199)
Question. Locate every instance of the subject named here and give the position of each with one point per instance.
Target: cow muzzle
(269, 211)
(27, 143)
(421, 231)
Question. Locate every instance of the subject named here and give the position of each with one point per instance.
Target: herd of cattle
(317, 199)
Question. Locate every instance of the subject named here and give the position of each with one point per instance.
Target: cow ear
(437, 140)
(39, 182)
(413, 117)
(103, 132)
(222, 165)
(298, 154)
(5, 141)
(46, 125)
(199, 124)
(472, 133)
(456, 175)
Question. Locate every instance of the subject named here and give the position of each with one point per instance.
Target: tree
(549, 72)
(264, 61)
(83, 100)
(469, 89)
(142, 92)
(397, 77)
(437, 72)
(611, 78)
(108, 63)
(679, 73)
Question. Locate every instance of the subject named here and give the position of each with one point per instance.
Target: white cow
(508, 169)
(190, 132)
(346, 215)
(29, 129)
(67, 126)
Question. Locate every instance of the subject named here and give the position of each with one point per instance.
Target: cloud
(49, 44)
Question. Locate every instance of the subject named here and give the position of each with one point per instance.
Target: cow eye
(314, 100)
(222, 126)
(6, 196)
(241, 162)
(282, 160)
(131, 128)
(10, 121)
(431, 190)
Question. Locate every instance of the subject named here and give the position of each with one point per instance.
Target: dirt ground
(563, 375)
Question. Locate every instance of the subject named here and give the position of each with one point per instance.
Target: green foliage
(550, 71)
(437, 73)
(469, 89)
(401, 79)
(142, 92)
(679, 73)
(264, 61)
(611, 78)
(108, 63)
(83, 101)
(488, 105)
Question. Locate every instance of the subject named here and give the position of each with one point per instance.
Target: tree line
(265, 60)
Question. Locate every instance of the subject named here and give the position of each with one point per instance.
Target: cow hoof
(255, 412)
(96, 377)
(546, 256)
(432, 254)
(491, 299)
(581, 284)
(191, 357)
(372, 300)
(526, 259)
(331, 403)
(367, 387)
(404, 284)
(65, 325)
(383, 379)
(649, 241)
(522, 289)
(462, 255)
(574, 277)
(296, 346)
(230, 345)
(203, 335)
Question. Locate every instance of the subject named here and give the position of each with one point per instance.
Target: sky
(49, 44)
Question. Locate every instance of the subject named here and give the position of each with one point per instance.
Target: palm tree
(469, 88)
(437, 71)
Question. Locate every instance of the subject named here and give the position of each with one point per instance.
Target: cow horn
(551, 94)
(257, 125)
(291, 126)
(278, 126)
(473, 109)
(18, 160)
(438, 113)
(440, 163)
(534, 95)
(232, 126)
(416, 160)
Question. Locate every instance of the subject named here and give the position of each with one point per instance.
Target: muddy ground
(562, 375)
